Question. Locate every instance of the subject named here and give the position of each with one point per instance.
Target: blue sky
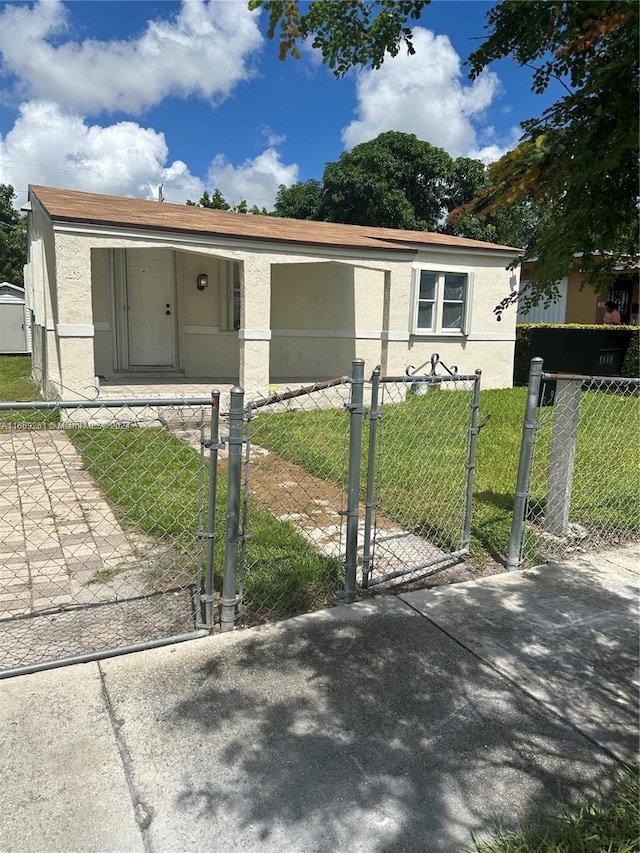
(119, 96)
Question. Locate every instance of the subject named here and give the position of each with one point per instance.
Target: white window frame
(439, 271)
(230, 293)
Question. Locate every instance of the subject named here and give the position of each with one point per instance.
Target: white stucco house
(121, 287)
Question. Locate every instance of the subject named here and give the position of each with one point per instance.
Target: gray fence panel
(579, 481)
(100, 546)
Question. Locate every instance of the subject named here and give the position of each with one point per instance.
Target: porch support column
(74, 317)
(397, 318)
(255, 324)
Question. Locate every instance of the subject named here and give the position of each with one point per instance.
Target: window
(230, 296)
(234, 311)
(442, 302)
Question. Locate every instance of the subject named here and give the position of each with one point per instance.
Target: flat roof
(74, 206)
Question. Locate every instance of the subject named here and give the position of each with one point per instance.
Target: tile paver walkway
(56, 529)
(62, 552)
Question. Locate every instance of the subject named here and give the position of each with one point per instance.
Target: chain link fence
(296, 472)
(100, 513)
(421, 461)
(579, 478)
(129, 523)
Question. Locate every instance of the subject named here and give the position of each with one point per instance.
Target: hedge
(525, 337)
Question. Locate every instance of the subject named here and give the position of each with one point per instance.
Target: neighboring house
(15, 329)
(121, 287)
(579, 303)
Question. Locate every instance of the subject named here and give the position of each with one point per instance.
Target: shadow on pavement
(370, 729)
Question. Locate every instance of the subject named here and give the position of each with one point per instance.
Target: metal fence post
(524, 467)
(356, 410)
(213, 445)
(562, 457)
(232, 530)
(474, 429)
(374, 416)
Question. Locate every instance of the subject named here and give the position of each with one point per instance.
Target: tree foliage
(580, 157)
(399, 181)
(216, 201)
(577, 162)
(346, 32)
(13, 238)
(300, 201)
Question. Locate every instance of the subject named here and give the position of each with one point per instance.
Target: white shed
(15, 325)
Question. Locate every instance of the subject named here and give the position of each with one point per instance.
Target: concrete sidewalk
(398, 724)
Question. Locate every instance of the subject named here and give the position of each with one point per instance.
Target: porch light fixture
(202, 281)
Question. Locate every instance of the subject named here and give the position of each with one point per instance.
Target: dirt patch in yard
(315, 507)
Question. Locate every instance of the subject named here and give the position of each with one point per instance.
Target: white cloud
(269, 137)
(202, 51)
(422, 94)
(255, 180)
(48, 146)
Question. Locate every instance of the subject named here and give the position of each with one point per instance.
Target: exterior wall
(209, 342)
(74, 316)
(313, 332)
(40, 273)
(305, 313)
(370, 322)
(101, 301)
(489, 344)
(582, 305)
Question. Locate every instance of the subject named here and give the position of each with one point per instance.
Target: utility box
(15, 325)
(585, 352)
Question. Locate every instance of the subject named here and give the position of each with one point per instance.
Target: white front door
(150, 308)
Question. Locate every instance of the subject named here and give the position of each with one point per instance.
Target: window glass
(454, 286)
(452, 315)
(425, 316)
(427, 285)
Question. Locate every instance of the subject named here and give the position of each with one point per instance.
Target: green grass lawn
(434, 428)
(151, 479)
(17, 384)
(610, 825)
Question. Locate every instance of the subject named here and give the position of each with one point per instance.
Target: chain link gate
(323, 460)
(101, 516)
(410, 532)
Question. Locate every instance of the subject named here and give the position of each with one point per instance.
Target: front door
(150, 308)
